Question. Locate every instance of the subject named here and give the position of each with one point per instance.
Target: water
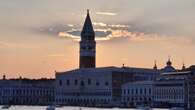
(64, 108)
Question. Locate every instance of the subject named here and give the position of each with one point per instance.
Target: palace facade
(26, 91)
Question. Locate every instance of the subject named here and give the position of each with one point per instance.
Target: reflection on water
(64, 108)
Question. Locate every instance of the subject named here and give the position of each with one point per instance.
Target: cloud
(67, 35)
(106, 13)
(101, 24)
(101, 34)
(70, 25)
(119, 26)
(54, 29)
(109, 34)
(105, 32)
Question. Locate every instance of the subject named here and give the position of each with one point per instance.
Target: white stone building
(187, 75)
(170, 93)
(137, 93)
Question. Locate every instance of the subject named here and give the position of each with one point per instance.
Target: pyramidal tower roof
(88, 27)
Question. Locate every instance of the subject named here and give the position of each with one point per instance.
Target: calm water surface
(62, 108)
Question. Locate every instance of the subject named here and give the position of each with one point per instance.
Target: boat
(177, 108)
(50, 107)
(6, 107)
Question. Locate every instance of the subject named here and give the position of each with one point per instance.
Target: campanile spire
(87, 44)
(87, 31)
(87, 11)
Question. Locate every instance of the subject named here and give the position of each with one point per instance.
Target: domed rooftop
(169, 67)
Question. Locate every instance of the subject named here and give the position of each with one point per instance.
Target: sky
(39, 37)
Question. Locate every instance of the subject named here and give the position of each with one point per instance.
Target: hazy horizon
(39, 37)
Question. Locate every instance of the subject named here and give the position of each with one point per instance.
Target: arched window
(75, 81)
(144, 90)
(140, 91)
(106, 83)
(68, 82)
(136, 91)
(82, 83)
(150, 91)
(60, 82)
(97, 83)
(89, 81)
(124, 91)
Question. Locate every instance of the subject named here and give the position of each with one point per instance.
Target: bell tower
(87, 45)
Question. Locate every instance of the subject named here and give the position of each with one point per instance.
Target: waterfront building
(137, 93)
(188, 75)
(170, 89)
(192, 92)
(26, 91)
(95, 86)
(170, 93)
(192, 85)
